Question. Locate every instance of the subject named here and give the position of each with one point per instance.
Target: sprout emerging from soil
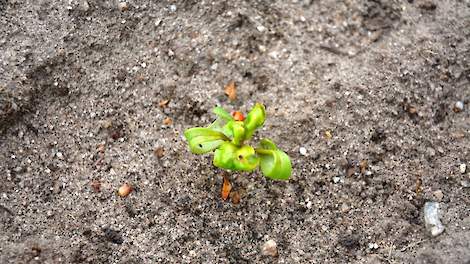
(227, 137)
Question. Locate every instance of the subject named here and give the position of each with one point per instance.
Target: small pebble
(303, 151)
(269, 248)
(438, 195)
(173, 8)
(261, 28)
(463, 168)
(85, 6)
(235, 197)
(124, 190)
(431, 218)
(465, 184)
(336, 179)
(373, 246)
(458, 106)
(59, 155)
(309, 204)
(123, 6)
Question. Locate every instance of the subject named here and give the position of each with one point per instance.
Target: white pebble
(458, 106)
(59, 155)
(261, 28)
(85, 6)
(269, 248)
(123, 6)
(172, 8)
(465, 184)
(463, 168)
(431, 218)
(439, 195)
(373, 246)
(303, 151)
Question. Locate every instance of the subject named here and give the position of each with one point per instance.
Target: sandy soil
(80, 88)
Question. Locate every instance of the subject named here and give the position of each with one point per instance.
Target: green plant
(228, 135)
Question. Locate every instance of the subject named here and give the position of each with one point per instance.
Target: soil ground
(81, 84)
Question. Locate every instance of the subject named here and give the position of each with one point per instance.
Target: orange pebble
(124, 190)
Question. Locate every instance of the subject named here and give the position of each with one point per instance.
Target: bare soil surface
(367, 87)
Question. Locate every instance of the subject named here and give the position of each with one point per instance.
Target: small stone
(465, 184)
(173, 8)
(328, 134)
(235, 197)
(458, 107)
(309, 204)
(167, 121)
(261, 28)
(426, 5)
(438, 195)
(344, 208)
(431, 218)
(269, 248)
(463, 168)
(124, 190)
(303, 151)
(159, 152)
(373, 246)
(336, 179)
(59, 155)
(123, 6)
(85, 6)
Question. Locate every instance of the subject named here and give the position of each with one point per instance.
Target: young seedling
(228, 135)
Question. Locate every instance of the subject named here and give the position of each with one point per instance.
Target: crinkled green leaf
(232, 157)
(254, 120)
(274, 163)
(202, 140)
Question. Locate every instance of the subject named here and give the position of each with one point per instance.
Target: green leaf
(267, 144)
(238, 131)
(231, 157)
(275, 164)
(220, 112)
(202, 140)
(254, 120)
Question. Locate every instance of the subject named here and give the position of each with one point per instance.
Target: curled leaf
(254, 119)
(202, 140)
(267, 144)
(231, 157)
(275, 164)
(226, 188)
